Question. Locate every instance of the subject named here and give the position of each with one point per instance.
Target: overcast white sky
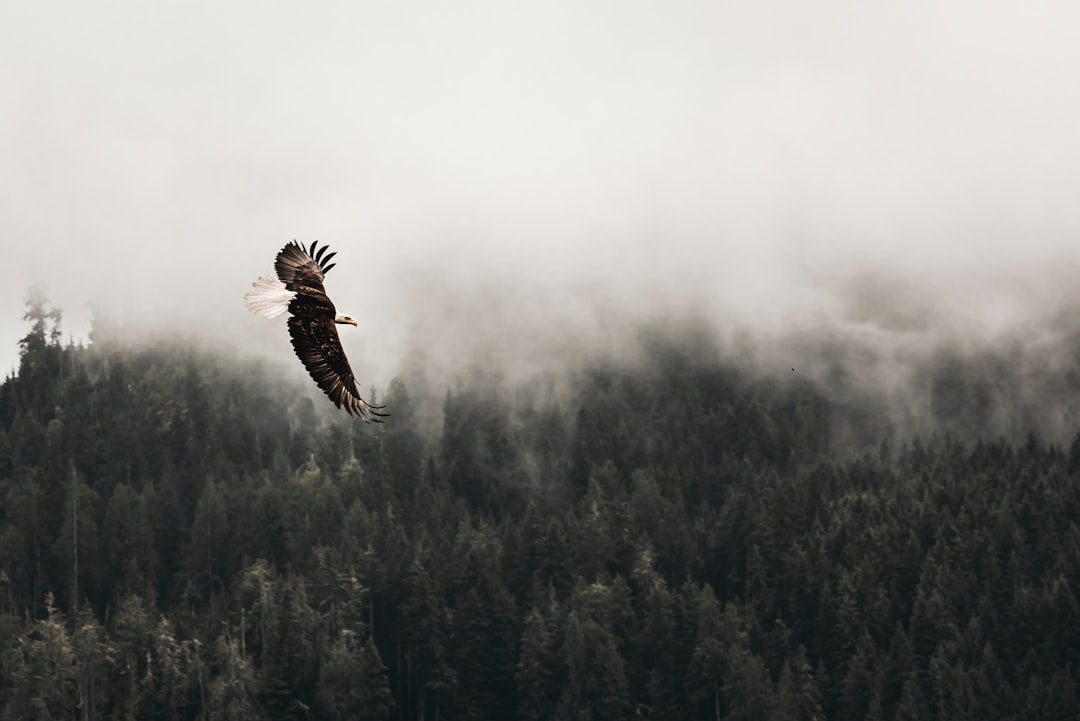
(472, 155)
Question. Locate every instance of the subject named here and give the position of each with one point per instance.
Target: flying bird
(298, 289)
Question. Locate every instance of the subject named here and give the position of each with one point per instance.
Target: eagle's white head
(341, 318)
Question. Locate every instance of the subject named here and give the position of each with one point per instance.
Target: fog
(522, 182)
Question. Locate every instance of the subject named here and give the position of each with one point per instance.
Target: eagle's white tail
(270, 297)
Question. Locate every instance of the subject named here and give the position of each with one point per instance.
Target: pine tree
(708, 665)
(171, 666)
(797, 696)
(94, 655)
(209, 537)
(76, 547)
(747, 691)
(596, 685)
(352, 682)
(132, 639)
(24, 539)
(912, 706)
(231, 692)
(537, 673)
(52, 672)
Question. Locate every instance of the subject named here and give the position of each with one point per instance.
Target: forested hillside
(185, 536)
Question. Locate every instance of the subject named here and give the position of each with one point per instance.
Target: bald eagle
(298, 288)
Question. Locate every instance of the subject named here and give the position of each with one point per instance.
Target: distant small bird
(298, 289)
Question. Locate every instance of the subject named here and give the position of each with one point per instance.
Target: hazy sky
(525, 163)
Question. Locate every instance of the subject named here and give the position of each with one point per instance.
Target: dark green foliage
(540, 666)
(184, 537)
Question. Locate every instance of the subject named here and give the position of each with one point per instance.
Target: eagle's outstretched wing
(315, 339)
(300, 268)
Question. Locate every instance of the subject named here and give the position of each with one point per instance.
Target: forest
(186, 536)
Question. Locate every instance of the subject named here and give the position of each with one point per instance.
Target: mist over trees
(676, 533)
